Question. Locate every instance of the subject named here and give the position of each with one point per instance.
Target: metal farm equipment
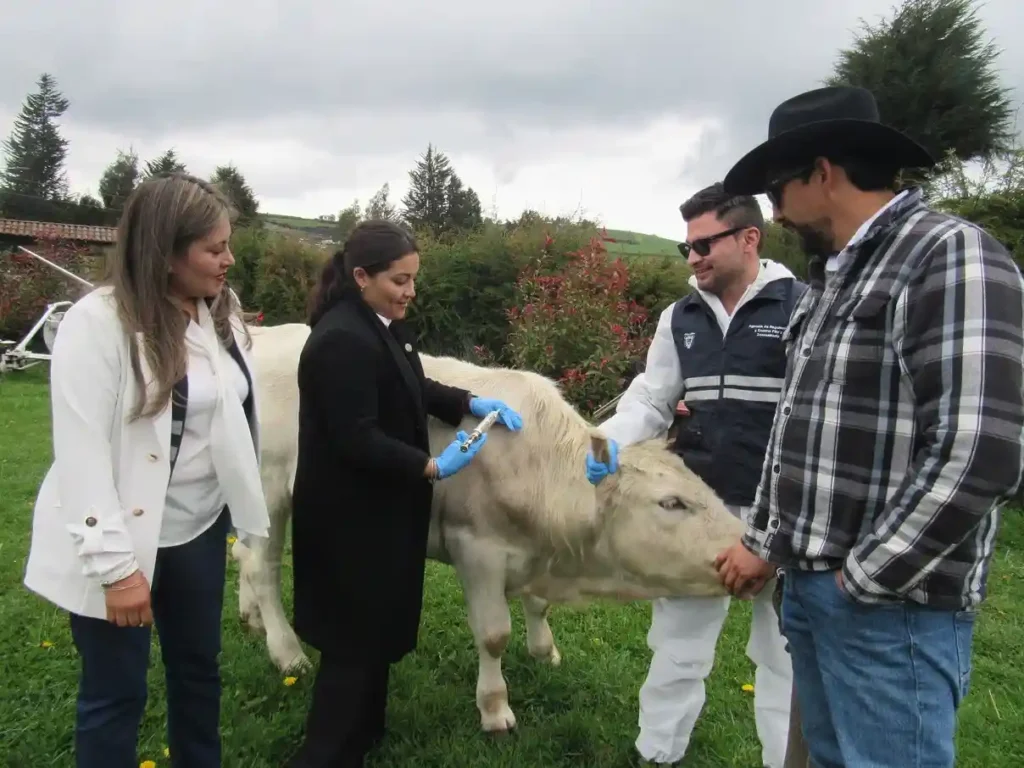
(15, 355)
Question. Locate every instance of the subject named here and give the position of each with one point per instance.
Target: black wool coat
(361, 506)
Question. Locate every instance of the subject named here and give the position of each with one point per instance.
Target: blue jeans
(186, 595)
(878, 687)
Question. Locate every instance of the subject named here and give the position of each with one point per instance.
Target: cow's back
(525, 489)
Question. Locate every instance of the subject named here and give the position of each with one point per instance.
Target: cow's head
(662, 526)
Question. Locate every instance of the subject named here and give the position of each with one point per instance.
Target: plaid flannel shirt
(899, 431)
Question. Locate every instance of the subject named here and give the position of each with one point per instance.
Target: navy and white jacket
(728, 371)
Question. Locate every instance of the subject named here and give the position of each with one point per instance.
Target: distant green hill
(299, 225)
(625, 243)
(619, 242)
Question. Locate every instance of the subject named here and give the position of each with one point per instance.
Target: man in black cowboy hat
(897, 439)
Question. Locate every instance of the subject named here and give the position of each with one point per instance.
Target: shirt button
(787, 410)
(806, 351)
(90, 521)
(777, 468)
(773, 523)
(137, 512)
(152, 456)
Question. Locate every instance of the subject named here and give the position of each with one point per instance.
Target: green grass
(295, 222)
(582, 714)
(298, 226)
(626, 243)
(637, 244)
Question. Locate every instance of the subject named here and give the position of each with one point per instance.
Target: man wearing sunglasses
(719, 349)
(898, 437)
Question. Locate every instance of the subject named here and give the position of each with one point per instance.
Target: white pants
(683, 635)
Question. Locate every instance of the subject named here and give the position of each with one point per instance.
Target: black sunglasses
(702, 245)
(773, 189)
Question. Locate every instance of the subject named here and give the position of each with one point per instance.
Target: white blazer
(102, 500)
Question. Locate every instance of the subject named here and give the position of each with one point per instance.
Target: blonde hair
(162, 218)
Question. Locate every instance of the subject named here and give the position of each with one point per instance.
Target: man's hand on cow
(597, 470)
(481, 406)
(742, 573)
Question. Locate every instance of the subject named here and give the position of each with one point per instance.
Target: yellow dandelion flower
(748, 687)
(290, 680)
(147, 764)
(232, 539)
(46, 644)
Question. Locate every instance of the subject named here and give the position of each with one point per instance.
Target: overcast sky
(616, 108)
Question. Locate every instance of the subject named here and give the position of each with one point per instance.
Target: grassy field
(621, 243)
(582, 714)
(625, 243)
(299, 226)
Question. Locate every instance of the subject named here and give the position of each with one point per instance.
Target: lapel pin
(408, 347)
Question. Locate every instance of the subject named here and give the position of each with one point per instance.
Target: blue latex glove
(598, 470)
(481, 406)
(452, 459)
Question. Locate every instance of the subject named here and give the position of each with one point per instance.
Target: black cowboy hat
(840, 121)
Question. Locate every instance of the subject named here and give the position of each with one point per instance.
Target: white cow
(520, 521)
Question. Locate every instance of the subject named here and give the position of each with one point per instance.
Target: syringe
(481, 428)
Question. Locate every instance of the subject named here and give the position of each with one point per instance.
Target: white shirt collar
(835, 261)
(385, 320)
(863, 228)
(201, 333)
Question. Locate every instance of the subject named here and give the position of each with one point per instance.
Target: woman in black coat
(363, 487)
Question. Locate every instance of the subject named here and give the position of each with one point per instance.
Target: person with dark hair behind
(364, 486)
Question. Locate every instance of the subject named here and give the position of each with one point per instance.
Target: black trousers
(346, 717)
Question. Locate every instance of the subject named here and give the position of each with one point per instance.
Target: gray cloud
(504, 81)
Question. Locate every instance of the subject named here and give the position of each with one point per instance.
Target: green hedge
(274, 274)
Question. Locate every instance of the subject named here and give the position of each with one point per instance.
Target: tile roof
(51, 229)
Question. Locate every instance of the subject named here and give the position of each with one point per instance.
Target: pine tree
(168, 162)
(380, 207)
(233, 184)
(347, 221)
(464, 210)
(426, 203)
(34, 183)
(437, 201)
(119, 180)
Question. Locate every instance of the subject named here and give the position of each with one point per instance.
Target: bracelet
(121, 574)
(122, 587)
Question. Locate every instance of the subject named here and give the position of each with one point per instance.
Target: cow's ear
(599, 447)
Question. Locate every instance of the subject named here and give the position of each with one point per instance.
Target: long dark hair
(372, 245)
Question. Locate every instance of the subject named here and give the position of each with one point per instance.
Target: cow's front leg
(248, 606)
(481, 570)
(539, 640)
(260, 565)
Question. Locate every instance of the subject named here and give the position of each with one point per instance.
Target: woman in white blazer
(156, 447)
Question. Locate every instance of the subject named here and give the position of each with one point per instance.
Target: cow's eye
(672, 502)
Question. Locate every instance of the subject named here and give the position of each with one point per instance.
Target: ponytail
(372, 246)
(332, 287)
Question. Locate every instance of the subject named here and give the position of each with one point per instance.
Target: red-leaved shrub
(577, 326)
